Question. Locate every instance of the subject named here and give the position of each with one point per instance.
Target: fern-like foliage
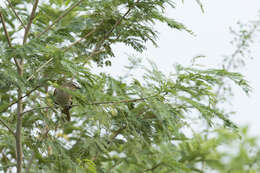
(118, 125)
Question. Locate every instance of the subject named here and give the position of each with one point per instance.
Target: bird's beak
(76, 86)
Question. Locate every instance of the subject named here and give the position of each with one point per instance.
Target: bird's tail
(66, 111)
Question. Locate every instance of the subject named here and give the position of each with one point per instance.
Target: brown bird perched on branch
(63, 98)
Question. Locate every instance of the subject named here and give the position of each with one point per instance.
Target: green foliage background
(118, 124)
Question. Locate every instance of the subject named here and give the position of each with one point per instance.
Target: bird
(63, 98)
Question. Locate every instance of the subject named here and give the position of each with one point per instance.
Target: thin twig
(28, 27)
(47, 62)
(236, 52)
(99, 45)
(4, 123)
(87, 35)
(10, 4)
(113, 136)
(29, 78)
(116, 133)
(120, 101)
(49, 27)
(59, 18)
(97, 103)
(27, 94)
(154, 167)
(8, 39)
(113, 166)
(38, 108)
(5, 30)
(95, 51)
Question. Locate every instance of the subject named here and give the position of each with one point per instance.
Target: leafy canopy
(118, 125)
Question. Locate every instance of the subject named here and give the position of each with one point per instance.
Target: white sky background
(212, 40)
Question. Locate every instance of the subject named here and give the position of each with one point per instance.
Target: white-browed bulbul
(63, 98)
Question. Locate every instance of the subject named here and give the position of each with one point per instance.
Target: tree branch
(121, 101)
(8, 39)
(99, 44)
(66, 49)
(14, 102)
(38, 108)
(5, 30)
(153, 168)
(98, 103)
(5, 124)
(18, 138)
(116, 133)
(237, 51)
(28, 27)
(43, 65)
(87, 35)
(10, 4)
(59, 18)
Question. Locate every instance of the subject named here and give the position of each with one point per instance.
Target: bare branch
(28, 27)
(10, 4)
(59, 18)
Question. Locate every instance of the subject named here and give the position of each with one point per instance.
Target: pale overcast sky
(212, 40)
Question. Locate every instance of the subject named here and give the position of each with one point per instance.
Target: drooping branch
(238, 50)
(29, 24)
(243, 44)
(59, 18)
(10, 4)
